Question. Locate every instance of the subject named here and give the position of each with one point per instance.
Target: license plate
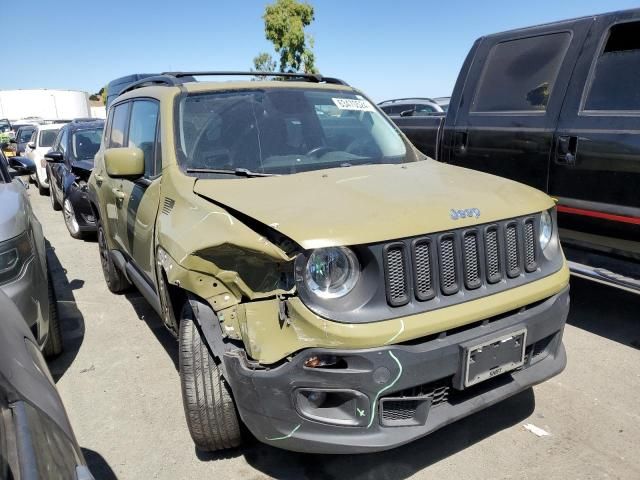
(493, 357)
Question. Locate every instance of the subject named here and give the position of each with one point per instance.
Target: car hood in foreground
(373, 203)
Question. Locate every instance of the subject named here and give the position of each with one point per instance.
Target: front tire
(70, 219)
(116, 281)
(53, 346)
(211, 414)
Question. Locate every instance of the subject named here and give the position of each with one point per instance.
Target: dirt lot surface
(118, 378)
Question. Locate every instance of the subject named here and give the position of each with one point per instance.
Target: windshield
(5, 126)
(284, 131)
(85, 143)
(47, 137)
(24, 134)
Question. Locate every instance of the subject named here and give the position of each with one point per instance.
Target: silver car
(24, 277)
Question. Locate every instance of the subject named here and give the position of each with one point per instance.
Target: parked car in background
(443, 102)
(22, 137)
(23, 261)
(40, 143)
(69, 164)
(557, 107)
(411, 107)
(36, 438)
(307, 255)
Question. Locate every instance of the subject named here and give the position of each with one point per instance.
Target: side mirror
(407, 113)
(54, 157)
(125, 162)
(21, 166)
(31, 145)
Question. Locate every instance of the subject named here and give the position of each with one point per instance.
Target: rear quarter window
(519, 74)
(615, 77)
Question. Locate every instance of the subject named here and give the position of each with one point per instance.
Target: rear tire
(211, 414)
(53, 346)
(116, 280)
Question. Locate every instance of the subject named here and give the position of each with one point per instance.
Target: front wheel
(211, 414)
(116, 280)
(70, 219)
(53, 346)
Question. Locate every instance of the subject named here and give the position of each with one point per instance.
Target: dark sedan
(69, 164)
(36, 439)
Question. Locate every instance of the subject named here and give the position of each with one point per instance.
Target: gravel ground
(118, 378)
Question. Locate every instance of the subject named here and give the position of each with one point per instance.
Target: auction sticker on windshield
(353, 104)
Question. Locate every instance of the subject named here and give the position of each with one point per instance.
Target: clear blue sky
(387, 48)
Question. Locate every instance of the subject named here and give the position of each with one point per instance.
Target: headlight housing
(14, 254)
(331, 272)
(546, 230)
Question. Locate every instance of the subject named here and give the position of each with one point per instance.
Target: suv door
(509, 108)
(142, 196)
(595, 171)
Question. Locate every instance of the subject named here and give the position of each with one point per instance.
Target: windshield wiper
(239, 172)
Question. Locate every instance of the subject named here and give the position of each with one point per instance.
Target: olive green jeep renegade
(330, 287)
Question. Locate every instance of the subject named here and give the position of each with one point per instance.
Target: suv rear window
(518, 75)
(615, 85)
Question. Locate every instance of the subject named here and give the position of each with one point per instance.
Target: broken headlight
(331, 272)
(14, 254)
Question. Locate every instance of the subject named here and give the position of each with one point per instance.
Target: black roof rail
(312, 77)
(408, 98)
(162, 79)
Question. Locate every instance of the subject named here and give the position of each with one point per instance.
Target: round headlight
(332, 272)
(546, 229)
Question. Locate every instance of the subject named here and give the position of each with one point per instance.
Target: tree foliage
(284, 24)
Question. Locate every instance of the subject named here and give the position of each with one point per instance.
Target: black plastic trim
(396, 302)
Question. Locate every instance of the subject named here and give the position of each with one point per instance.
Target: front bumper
(82, 208)
(393, 394)
(29, 293)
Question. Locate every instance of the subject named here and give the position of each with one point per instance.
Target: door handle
(119, 194)
(460, 139)
(566, 150)
(99, 179)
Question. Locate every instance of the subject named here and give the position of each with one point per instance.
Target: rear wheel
(70, 219)
(211, 414)
(54, 202)
(116, 280)
(53, 346)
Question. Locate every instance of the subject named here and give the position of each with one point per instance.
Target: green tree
(284, 24)
(264, 63)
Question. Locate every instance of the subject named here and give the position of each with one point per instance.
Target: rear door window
(615, 77)
(519, 74)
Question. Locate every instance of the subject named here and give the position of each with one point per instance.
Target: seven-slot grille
(465, 259)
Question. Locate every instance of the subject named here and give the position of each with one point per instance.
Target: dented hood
(372, 203)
